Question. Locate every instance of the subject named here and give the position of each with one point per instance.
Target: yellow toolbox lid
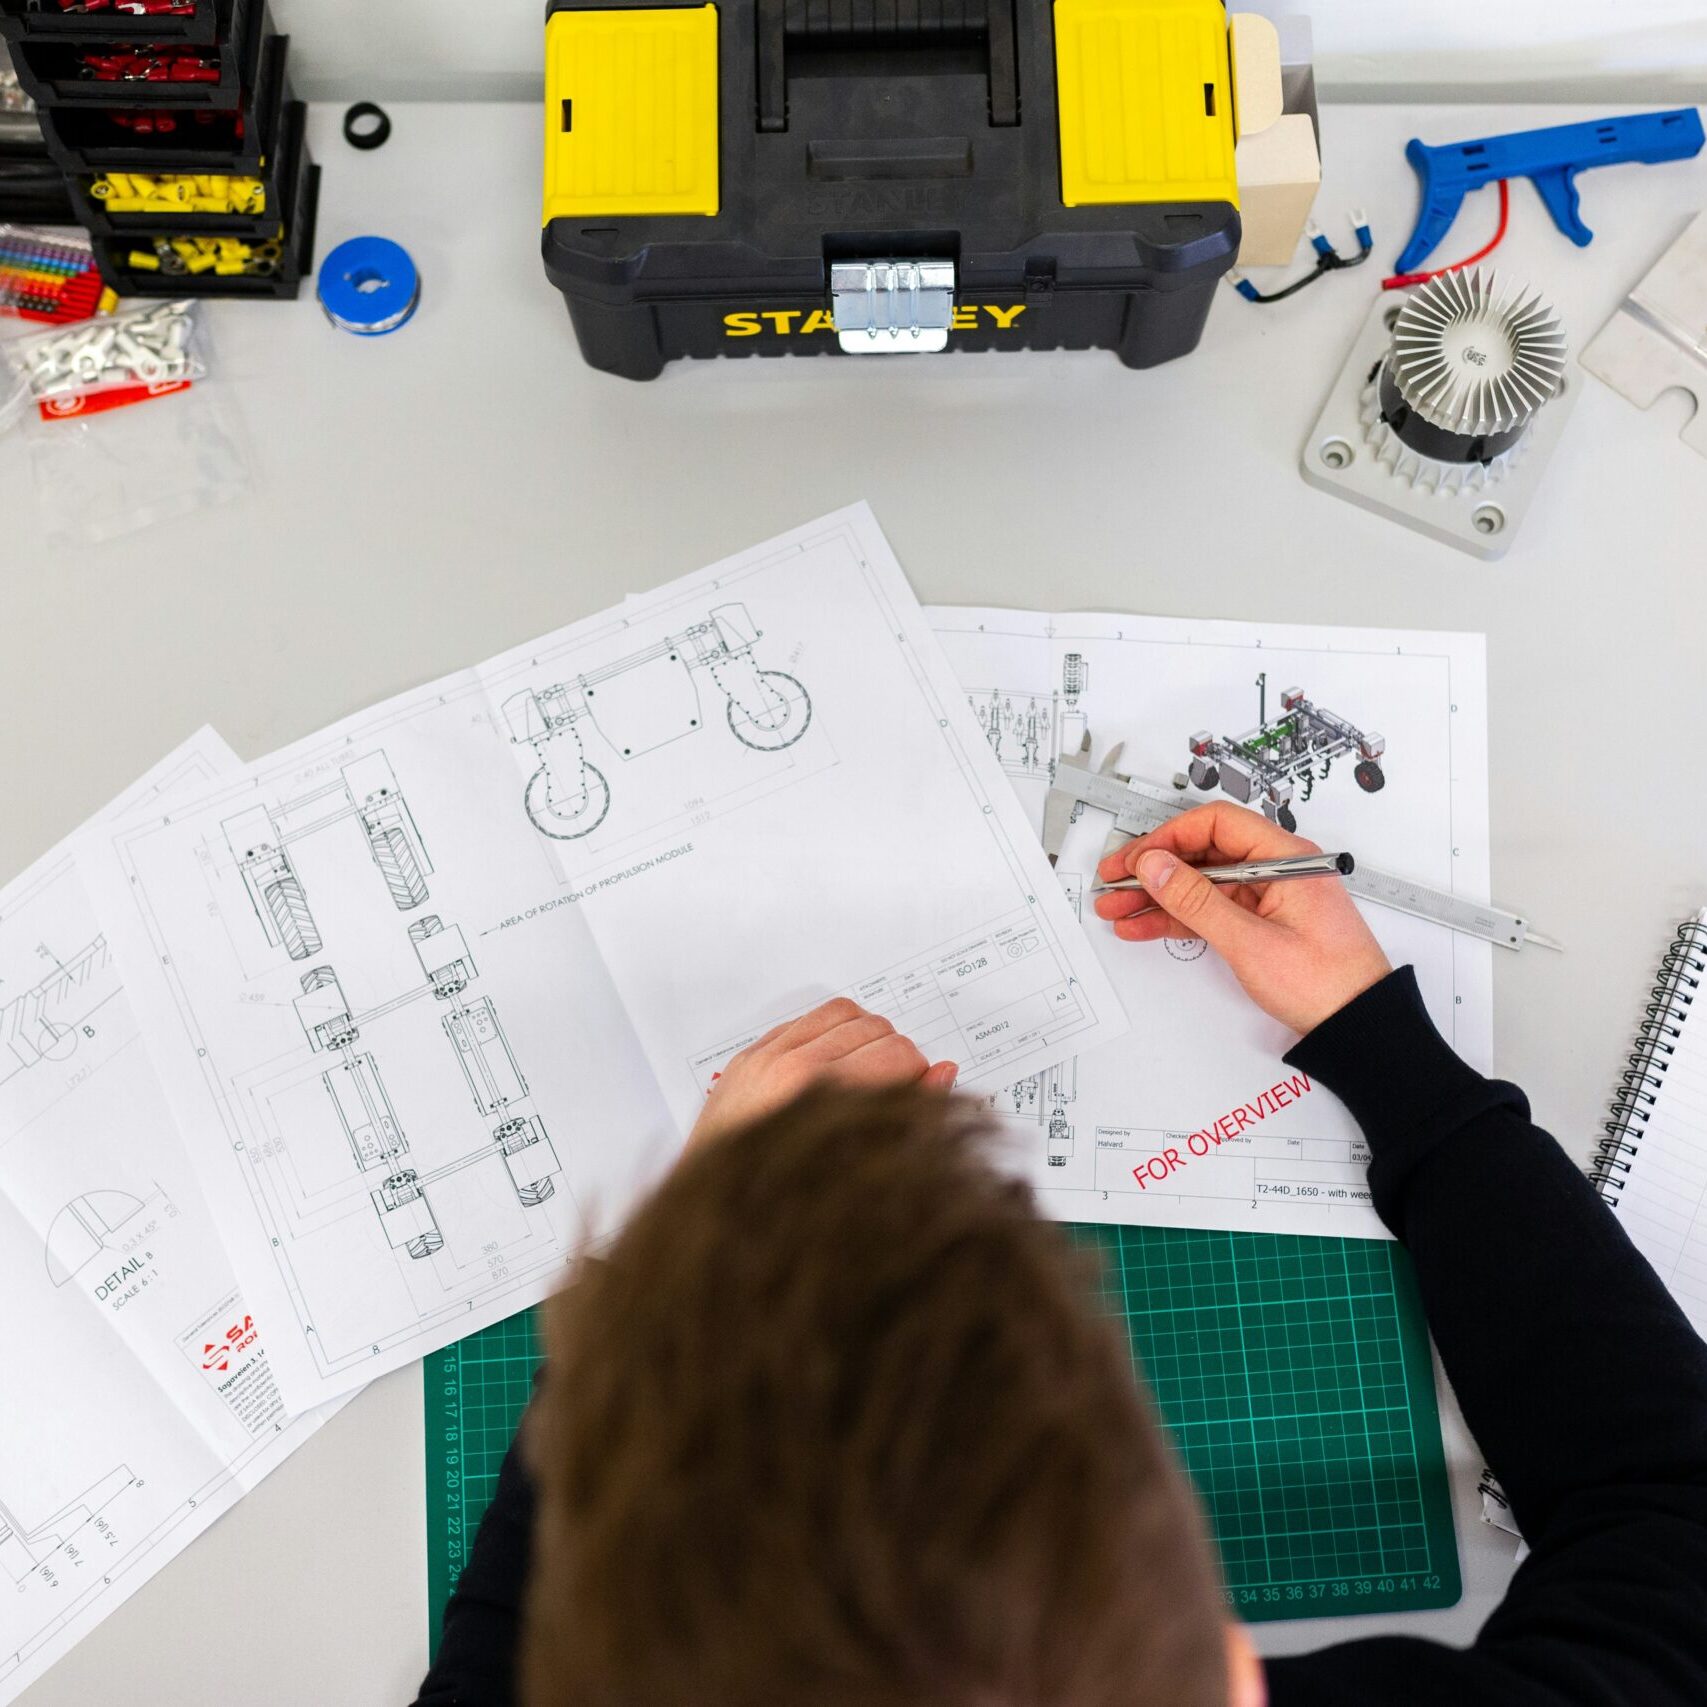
(631, 111)
(1145, 102)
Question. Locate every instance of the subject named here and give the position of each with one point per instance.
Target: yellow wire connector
(179, 192)
(224, 257)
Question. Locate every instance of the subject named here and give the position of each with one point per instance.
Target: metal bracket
(1657, 338)
(892, 307)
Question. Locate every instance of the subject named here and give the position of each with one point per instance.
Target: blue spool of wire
(369, 286)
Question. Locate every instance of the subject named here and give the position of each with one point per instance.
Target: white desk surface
(419, 501)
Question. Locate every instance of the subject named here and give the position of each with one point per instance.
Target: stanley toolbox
(796, 176)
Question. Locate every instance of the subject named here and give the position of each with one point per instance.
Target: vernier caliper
(1139, 807)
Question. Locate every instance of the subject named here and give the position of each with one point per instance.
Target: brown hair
(833, 1424)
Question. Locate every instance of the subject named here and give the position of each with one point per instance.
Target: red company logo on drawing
(217, 1354)
(1208, 1139)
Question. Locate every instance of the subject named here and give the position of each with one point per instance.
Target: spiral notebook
(1652, 1164)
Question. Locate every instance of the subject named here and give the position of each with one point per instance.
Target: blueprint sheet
(1193, 1120)
(436, 992)
(139, 1401)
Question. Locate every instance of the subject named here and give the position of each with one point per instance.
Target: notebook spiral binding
(1682, 969)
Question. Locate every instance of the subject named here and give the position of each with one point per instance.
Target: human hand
(839, 1041)
(1301, 949)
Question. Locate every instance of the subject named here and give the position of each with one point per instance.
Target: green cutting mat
(1294, 1375)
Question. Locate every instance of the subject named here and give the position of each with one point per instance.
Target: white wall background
(1619, 50)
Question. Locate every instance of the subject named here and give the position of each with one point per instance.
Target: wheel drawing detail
(1287, 819)
(1370, 776)
(364, 792)
(1185, 949)
(291, 918)
(564, 818)
(1205, 776)
(784, 717)
(642, 701)
(398, 866)
(54, 1042)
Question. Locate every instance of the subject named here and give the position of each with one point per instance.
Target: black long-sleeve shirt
(1582, 1381)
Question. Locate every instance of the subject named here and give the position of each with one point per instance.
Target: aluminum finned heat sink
(1469, 365)
(1447, 409)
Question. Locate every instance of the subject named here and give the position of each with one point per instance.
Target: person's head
(835, 1423)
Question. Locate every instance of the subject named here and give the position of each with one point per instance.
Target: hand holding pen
(1301, 950)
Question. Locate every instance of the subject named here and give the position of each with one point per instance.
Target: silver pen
(1258, 871)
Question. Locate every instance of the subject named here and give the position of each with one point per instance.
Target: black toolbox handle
(877, 24)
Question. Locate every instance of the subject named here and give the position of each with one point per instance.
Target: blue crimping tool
(1549, 158)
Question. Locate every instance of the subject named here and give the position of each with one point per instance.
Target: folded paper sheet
(140, 1401)
(436, 992)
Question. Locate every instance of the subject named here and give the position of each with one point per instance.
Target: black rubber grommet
(375, 138)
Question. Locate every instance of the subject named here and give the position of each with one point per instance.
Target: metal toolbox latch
(886, 307)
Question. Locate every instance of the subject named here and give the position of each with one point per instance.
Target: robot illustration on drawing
(1266, 766)
(640, 703)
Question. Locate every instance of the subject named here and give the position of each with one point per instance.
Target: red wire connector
(150, 65)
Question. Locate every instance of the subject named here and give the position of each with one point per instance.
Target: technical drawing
(1266, 764)
(364, 1109)
(24, 1549)
(1075, 678)
(260, 840)
(1028, 732)
(528, 1158)
(406, 1216)
(79, 1232)
(1020, 728)
(1072, 724)
(484, 1053)
(643, 702)
(41, 1023)
(1044, 1097)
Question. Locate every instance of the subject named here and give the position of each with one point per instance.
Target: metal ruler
(1139, 807)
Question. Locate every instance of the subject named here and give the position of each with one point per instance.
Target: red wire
(1400, 280)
